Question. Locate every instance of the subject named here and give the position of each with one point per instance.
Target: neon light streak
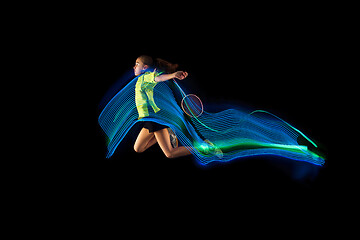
(237, 133)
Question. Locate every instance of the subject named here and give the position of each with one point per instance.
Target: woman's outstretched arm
(164, 77)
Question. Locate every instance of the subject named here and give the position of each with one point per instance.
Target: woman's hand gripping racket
(190, 103)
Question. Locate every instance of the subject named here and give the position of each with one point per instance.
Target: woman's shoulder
(150, 75)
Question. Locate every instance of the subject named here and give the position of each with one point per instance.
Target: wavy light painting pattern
(236, 132)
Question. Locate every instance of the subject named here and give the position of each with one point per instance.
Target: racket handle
(183, 93)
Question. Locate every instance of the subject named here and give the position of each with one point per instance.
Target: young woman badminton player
(150, 99)
(153, 132)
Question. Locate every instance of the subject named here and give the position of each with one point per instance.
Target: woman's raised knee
(138, 149)
(169, 154)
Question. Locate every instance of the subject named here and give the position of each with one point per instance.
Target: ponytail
(165, 66)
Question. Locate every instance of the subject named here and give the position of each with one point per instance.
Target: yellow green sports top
(144, 93)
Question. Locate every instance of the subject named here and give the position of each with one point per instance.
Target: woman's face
(139, 67)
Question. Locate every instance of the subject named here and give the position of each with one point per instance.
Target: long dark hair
(165, 66)
(160, 64)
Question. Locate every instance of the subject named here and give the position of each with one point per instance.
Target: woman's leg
(144, 140)
(163, 138)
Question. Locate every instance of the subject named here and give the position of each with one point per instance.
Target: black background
(284, 58)
(276, 62)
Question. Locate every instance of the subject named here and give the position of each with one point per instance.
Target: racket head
(192, 105)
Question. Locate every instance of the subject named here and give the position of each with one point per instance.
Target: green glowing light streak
(241, 144)
(286, 124)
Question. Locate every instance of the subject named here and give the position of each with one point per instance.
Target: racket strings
(192, 105)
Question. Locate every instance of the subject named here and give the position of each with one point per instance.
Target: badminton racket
(190, 103)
